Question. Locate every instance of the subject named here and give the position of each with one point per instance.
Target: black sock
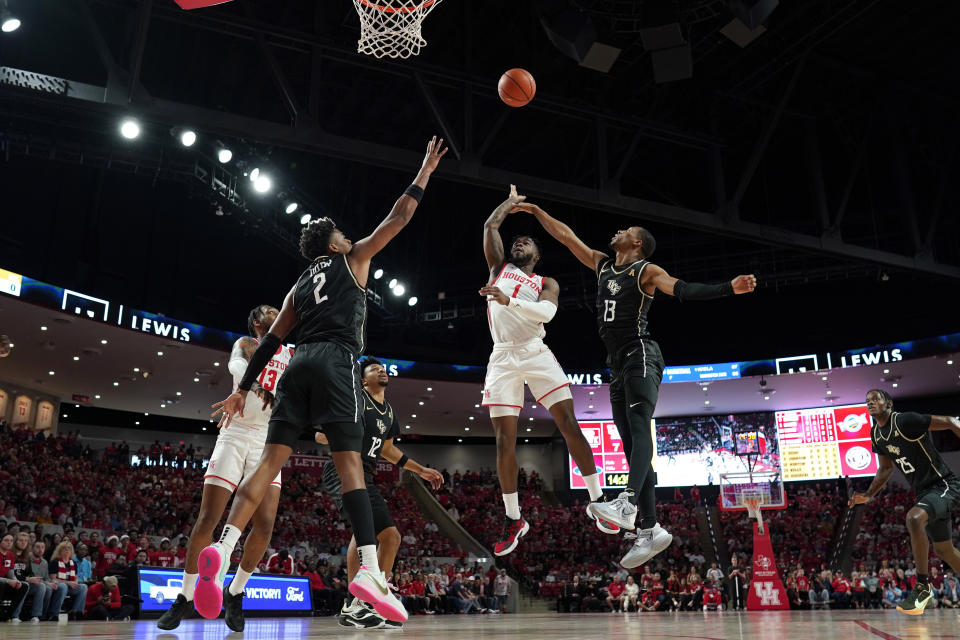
(632, 496)
(921, 580)
(357, 505)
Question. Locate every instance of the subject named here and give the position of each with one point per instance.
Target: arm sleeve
(237, 367)
(260, 359)
(913, 425)
(540, 311)
(684, 291)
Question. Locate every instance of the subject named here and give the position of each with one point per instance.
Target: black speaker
(670, 65)
(570, 31)
(753, 13)
(660, 25)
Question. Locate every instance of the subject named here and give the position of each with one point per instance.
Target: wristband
(414, 192)
(404, 459)
(260, 359)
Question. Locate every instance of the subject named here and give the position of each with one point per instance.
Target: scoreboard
(825, 442)
(608, 456)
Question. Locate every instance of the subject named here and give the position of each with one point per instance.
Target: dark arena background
(159, 161)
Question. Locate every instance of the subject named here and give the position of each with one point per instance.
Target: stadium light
(305, 218)
(8, 22)
(412, 301)
(262, 184)
(187, 137)
(392, 283)
(254, 174)
(130, 129)
(398, 290)
(291, 207)
(224, 155)
(378, 274)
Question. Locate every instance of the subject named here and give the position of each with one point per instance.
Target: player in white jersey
(235, 456)
(519, 303)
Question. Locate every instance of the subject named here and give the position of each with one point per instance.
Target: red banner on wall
(766, 589)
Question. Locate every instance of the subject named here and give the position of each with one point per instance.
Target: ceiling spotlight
(179, 394)
(466, 428)
(398, 290)
(97, 397)
(407, 427)
(42, 328)
(224, 155)
(950, 362)
(136, 369)
(529, 429)
(706, 402)
(204, 428)
(530, 419)
(130, 129)
(136, 422)
(64, 415)
(829, 392)
(216, 364)
(196, 379)
(429, 388)
(392, 283)
(476, 406)
(160, 353)
(526, 439)
(262, 184)
(766, 397)
(75, 358)
(421, 403)
(254, 174)
(413, 415)
(824, 378)
(412, 301)
(378, 274)
(8, 22)
(103, 341)
(187, 137)
(459, 439)
(116, 384)
(591, 393)
(291, 207)
(51, 372)
(895, 385)
(305, 218)
(471, 417)
(590, 406)
(886, 371)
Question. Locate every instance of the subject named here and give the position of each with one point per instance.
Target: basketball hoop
(753, 505)
(391, 28)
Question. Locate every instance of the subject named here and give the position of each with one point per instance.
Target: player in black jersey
(904, 439)
(380, 426)
(626, 286)
(320, 389)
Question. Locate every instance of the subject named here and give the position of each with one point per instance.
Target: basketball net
(391, 28)
(753, 510)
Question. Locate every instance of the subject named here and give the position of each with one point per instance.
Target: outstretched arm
(945, 423)
(243, 350)
(492, 242)
(401, 213)
(286, 320)
(656, 278)
(393, 454)
(879, 482)
(564, 235)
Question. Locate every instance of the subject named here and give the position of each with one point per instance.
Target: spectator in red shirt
(280, 563)
(103, 602)
(711, 597)
(108, 555)
(614, 591)
(165, 557)
(181, 551)
(841, 590)
(12, 589)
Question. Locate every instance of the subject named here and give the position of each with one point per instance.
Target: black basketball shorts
(939, 501)
(334, 489)
(319, 391)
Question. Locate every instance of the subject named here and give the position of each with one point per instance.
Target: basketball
(516, 87)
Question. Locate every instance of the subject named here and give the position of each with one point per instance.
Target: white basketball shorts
(510, 367)
(235, 456)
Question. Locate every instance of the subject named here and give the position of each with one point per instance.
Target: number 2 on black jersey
(322, 277)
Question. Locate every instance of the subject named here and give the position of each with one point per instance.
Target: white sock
(189, 583)
(230, 537)
(368, 557)
(239, 581)
(593, 486)
(512, 502)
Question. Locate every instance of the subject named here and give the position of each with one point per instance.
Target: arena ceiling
(820, 157)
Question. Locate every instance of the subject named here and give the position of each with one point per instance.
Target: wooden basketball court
(823, 625)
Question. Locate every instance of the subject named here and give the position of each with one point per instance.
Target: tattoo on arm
(492, 242)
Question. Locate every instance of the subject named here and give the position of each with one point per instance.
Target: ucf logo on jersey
(893, 449)
(613, 286)
(381, 425)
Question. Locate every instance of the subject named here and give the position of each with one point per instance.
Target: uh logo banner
(766, 589)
